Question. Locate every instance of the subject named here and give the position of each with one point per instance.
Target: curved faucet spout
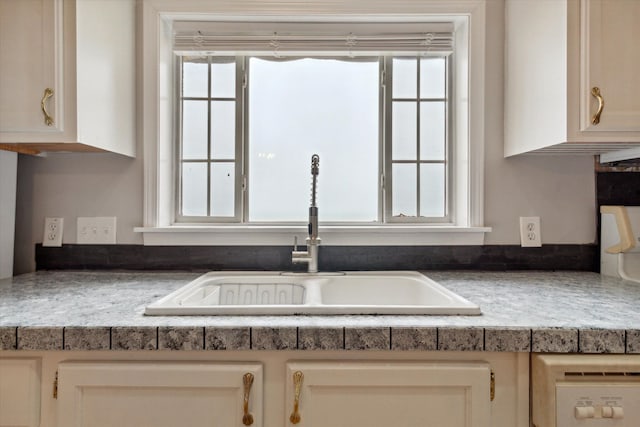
(310, 256)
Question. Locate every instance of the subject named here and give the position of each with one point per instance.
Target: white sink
(279, 293)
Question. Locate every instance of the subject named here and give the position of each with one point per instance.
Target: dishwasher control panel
(585, 390)
(602, 404)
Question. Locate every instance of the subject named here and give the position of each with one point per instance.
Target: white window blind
(320, 39)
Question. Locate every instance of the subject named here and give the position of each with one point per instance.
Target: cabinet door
(133, 394)
(30, 36)
(19, 392)
(611, 62)
(398, 394)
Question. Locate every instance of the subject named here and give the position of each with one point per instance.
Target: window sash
(209, 161)
(389, 162)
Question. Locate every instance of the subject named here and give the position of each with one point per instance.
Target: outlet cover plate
(53, 228)
(530, 232)
(96, 230)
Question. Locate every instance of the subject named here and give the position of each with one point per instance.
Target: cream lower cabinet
(207, 388)
(336, 394)
(134, 394)
(20, 392)
(408, 394)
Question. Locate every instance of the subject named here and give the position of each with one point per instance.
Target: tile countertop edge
(212, 338)
(523, 311)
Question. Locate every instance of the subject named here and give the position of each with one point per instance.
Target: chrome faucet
(310, 256)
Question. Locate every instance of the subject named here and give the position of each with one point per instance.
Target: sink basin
(280, 293)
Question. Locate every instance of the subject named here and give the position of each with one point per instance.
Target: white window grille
(254, 104)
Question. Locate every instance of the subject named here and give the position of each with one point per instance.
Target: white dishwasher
(585, 390)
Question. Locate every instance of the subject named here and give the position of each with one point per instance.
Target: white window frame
(158, 129)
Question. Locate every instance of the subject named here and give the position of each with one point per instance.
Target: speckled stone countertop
(564, 312)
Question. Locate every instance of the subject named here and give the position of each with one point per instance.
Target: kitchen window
(249, 125)
(396, 210)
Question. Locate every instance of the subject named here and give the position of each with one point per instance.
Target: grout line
(64, 330)
(530, 340)
(344, 338)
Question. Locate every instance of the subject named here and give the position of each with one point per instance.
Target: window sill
(366, 235)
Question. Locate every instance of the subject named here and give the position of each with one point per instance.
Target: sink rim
(312, 304)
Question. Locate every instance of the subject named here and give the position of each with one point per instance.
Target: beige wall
(560, 190)
(73, 185)
(8, 174)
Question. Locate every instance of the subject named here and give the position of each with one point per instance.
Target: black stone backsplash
(331, 258)
(618, 188)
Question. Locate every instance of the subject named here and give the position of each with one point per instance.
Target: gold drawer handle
(595, 92)
(297, 383)
(247, 381)
(48, 93)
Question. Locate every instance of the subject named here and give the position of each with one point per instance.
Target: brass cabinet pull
(247, 381)
(48, 93)
(492, 391)
(297, 383)
(595, 92)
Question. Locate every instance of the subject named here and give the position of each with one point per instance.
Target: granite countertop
(565, 312)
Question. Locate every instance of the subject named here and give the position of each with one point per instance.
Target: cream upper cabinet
(28, 58)
(557, 52)
(342, 394)
(133, 394)
(67, 75)
(611, 64)
(20, 392)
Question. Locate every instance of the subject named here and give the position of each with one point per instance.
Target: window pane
(194, 77)
(432, 78)
(405, 78)
(432, 190)
(223, 126)
(404, 131)
(223, 78)
(432, 130)
(194, 189)
(194, 129)
(222, 189)
(290, 119)
(274, 193)
(404, 190)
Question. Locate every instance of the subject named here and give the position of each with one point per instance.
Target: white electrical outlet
(52, 231)
(96, 230)
(530, 231)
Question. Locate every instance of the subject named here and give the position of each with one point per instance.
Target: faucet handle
(295, 243)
